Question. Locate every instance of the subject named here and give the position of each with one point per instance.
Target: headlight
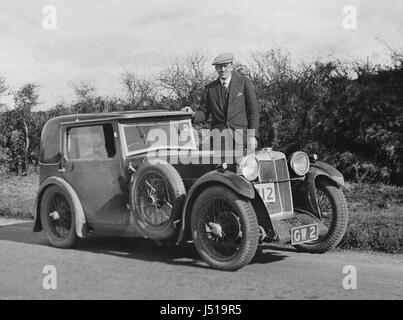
(249, 168)
(299, 162)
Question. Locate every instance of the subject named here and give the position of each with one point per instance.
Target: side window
(91, 142)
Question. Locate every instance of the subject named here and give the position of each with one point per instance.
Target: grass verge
(376, 218)
(17, 196)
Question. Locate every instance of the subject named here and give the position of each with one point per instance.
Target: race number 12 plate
(304, 234)
(266, 191)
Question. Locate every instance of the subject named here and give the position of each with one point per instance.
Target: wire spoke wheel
(220, 229)
(224, 228)
(327, 212)
(155, 201)
(57, 217)
(156, 197)
(334, 217)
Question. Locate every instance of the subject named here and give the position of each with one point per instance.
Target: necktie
(225, 85)
(225, 98)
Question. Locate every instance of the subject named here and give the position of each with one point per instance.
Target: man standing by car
(232, 103)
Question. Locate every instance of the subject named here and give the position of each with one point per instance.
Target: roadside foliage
(350, 114)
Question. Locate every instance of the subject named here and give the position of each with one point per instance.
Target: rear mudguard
(232, 181)
(80, 225)
(305, 197)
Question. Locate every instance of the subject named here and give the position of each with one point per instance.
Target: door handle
(64, 166)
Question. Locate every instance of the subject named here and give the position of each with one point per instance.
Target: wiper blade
(142, 135)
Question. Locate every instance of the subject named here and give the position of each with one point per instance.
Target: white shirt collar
(227, 81)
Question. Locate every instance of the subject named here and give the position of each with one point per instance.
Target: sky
(99, 39)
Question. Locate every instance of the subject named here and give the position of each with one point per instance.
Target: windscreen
(158, 135)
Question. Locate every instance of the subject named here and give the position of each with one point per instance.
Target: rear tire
(58, 217)
(224, 228)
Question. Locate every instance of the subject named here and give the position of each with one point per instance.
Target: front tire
(334, 213)
(224, 228)
(58, 217)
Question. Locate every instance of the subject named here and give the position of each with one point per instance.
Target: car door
(92, 166)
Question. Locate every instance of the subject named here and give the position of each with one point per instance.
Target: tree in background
(3, 89)
(275, 85)
(25, 99)
(85, 93)
(140, 92)
(185, 80)
(4, 152)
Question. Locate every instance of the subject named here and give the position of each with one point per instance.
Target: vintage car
(99, 173)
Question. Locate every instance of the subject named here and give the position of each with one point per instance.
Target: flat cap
(226, 57)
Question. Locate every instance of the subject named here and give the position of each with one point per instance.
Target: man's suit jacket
(243, 107)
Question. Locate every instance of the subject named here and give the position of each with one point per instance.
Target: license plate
(267, 192)
(304, 234)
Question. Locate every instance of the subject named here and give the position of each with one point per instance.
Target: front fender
(304, 196)
(322, 168)
(227, 178)
(78, 209)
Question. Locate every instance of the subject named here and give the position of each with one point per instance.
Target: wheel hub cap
(226, 226)
(54, 215)
(216, 229)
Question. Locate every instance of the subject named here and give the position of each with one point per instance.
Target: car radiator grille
(274, 171)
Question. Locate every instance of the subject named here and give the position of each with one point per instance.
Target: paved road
(110, 268)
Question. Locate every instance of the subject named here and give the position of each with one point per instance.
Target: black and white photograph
(201, 155)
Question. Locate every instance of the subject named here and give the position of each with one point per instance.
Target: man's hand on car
(187, 109)
(252, 144)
